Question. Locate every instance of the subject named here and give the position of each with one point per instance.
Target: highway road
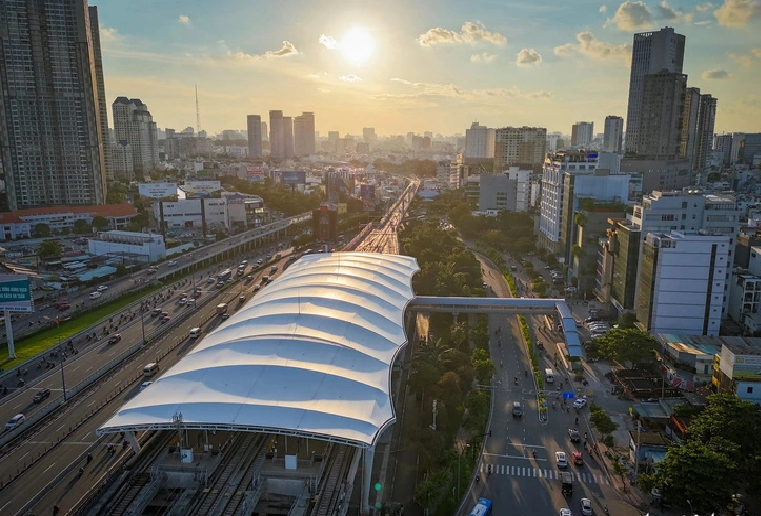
(107, 397)
(509, 474)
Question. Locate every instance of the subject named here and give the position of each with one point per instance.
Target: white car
(561, 460)
(172, 263)
(102, 288)
(579, 403)
(586, 507)
(565, 511)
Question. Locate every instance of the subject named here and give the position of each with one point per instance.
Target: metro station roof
(309, 356)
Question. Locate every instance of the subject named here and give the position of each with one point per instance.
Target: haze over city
(418, 66)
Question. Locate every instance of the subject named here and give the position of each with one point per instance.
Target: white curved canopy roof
(310, 356)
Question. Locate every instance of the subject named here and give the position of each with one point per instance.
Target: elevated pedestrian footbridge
(497, 305)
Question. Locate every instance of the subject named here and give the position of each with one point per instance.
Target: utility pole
(636, 452)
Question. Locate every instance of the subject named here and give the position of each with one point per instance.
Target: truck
(567, 483)
(221, 308)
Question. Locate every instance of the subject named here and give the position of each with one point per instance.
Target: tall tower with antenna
(198, 113)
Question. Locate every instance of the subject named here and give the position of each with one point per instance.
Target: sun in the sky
(357, 45)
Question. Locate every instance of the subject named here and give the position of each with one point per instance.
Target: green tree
(626, 322)
(631, 345)
(41, 230)
(646, 482)
(81, 227)
(695, 472)
(100, 223)
(483, 366)
(50, 249)
(602, 421)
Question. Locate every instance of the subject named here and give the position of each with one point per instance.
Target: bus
(224, 275)
(482, 508)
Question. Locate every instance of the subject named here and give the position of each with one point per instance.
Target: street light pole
(142, 324)
(63, 356)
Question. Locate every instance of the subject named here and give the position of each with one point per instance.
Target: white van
(95, 295)
(15, 422)
(150, 369)
(194, 333)
(549, 376)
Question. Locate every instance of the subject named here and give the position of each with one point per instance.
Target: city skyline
(416, 67)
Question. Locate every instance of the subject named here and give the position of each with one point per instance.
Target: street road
(384, 238)
(509, 474)
(74, 447)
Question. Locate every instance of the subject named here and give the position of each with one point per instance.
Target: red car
(578, 459)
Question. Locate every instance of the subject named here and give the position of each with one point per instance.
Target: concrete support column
(367, 472)
(130, 436)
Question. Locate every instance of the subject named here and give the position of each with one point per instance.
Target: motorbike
(534, 453)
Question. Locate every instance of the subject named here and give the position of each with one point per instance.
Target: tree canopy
(630, 345)
(50, 249)
(81, 227)
(100, 223)
(41, 230)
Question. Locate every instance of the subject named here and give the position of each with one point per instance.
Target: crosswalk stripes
(551, 474)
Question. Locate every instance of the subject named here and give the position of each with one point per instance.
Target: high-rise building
(51, 136)
(254, 126)
(277, 144)
(303, 127)
(265, 132)
(652, 53)
(479, 143)
(582, 134)
(105, 141)
(612, 140)
(134, 124)
(704, 132)
(690, 115)
(287, 132)
(522, 147)
(661, 113)
(750, 147)
(723, 143)
(682, 283)
(368, 134)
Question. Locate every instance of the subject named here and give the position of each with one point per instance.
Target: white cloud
(482, 58)
(756, 52)
(329, 42)
(632, 16)
(184, 19)
(288, 49)
(528, 57)
(107, 35)
(715, 74)
(595, 49)
(704, 22)
(665, 12)
(603, 8)
(470, 33)
(705, 7)
(350, 78)
(737, 12)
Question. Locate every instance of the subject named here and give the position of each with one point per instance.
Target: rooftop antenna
(198, 113)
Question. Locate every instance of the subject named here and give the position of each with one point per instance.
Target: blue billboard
(293, 177)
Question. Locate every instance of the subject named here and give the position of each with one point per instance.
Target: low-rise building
(687, 360)
(144, 247)
(737, 370)
(21, 223)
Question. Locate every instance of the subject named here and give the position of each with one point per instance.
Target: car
(41, 395)
(579, 403)
(145, 385)
(156, 312)
(241, 298)
(183, 300)
(547, 268)
(257, 288)
(565, 511)
(172, 263)
(15, 422)
(586, 507)
(191, 301)
(225, 316)
(517, 409)
(571, 290)
(574, 435)
(102, 288)
(577, 458)
(165, 318)
(211, 280)
(116, 337)
(485, 285)
(183, 295)
(561, 460)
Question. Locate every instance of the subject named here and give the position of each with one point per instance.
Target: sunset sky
(417, 66)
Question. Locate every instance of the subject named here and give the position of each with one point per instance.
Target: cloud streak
(715, 74)
(594, 49)
(351, 78)
(438, 90)
(483, 58)
(288, 49)
(470, 33)
(328, 41)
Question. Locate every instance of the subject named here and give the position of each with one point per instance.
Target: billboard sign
(201, 188)
(15, 293)
(293, 177)
(255, 174)
(157, 190)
